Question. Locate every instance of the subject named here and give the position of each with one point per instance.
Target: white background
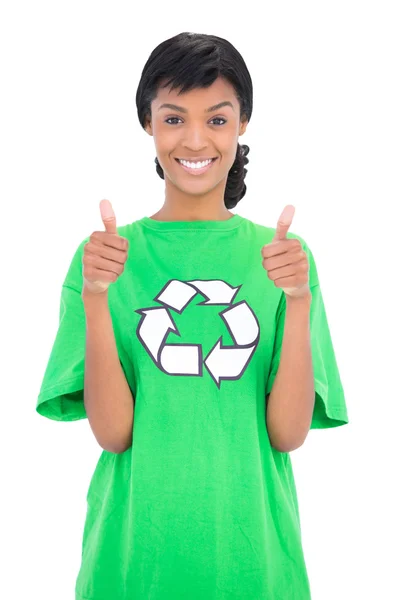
(324, 136)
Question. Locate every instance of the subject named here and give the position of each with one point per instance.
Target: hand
(104, 255)
(285, 260)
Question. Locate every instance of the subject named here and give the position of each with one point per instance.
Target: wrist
(303, 301)
(91, 299)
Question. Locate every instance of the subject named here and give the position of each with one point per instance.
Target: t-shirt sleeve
(61, 392)
(330, 404)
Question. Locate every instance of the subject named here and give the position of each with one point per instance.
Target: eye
(177, 118)
(219, 119)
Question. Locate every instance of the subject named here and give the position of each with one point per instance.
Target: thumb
(108, 216)
(284, 222)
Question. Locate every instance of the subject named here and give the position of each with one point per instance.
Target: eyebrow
(184, 110)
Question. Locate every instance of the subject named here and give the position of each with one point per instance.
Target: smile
(196, 170)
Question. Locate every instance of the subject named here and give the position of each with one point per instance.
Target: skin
(195, 133)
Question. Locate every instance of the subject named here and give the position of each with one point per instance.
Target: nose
(195, 141)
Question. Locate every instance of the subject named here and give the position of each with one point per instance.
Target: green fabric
(200, 507)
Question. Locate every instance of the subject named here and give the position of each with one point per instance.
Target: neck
(181, 206)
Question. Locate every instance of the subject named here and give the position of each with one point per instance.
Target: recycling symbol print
(222, 362)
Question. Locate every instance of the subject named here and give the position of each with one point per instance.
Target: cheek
(166, 144)
(227, 145)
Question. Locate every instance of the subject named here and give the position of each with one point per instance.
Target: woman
(193, 496)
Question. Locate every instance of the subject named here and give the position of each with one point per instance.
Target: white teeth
(198, 165)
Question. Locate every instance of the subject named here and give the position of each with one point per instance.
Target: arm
(291, 401)
(108, 399)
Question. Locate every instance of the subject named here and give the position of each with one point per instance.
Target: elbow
(119, 443)
(286, 443)
(285, 440)
(114, 449)
(116, 446)
(121, 450)
(288, 446)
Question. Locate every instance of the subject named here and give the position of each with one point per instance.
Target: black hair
(195, 60)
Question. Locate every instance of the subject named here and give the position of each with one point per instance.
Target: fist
(285, 261)
(105, 255)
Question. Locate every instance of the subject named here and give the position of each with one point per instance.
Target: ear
(243, 126)
(148, 127)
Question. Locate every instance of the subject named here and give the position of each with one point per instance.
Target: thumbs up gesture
(104, 255)
(284, 259)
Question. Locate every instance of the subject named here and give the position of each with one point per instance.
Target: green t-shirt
(201, 506)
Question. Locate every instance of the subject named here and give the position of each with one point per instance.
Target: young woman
(172, 330)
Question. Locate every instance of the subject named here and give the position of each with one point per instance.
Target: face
(193, 132)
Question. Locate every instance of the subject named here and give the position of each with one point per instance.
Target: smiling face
(204, 123)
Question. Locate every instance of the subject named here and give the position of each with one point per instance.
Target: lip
(196, 171)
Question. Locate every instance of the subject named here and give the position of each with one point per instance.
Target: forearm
(291, 402)
(108, 399)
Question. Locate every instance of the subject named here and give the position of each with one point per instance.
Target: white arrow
(242, 323)
(227, 363)
(154, 328)
(218, 292)
(181, 360)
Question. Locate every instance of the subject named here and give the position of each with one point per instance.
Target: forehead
(200, 98)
